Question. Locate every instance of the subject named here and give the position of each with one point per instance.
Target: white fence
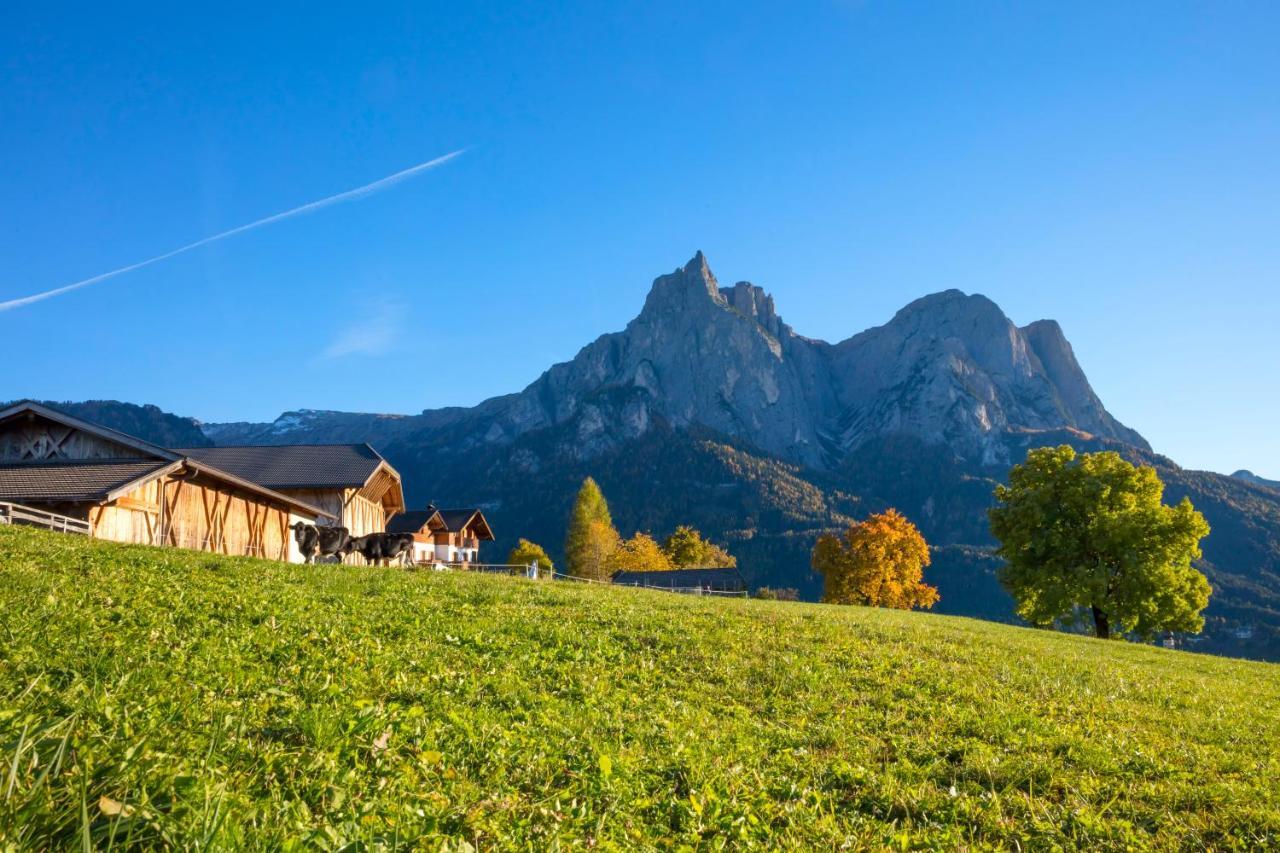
(529, 571)
(11, 513)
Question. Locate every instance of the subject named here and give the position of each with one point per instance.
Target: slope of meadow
(163, 697)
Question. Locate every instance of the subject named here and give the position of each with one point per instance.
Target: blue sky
(1113, 166)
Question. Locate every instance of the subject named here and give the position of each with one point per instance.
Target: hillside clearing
(171, 697)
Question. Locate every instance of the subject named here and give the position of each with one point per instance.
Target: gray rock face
(953, 369)
(948, 368)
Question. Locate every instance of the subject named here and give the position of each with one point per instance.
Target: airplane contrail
(358, 192)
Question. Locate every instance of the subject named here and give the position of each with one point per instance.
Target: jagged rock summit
(949, 369)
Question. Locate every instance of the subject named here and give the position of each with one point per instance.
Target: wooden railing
(11, 513)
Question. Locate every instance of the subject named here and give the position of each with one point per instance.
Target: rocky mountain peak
(751, 301)
(953, 312)
(692, 287)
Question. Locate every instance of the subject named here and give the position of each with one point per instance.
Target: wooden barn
(444, 535)
(129, 490)
(351, 482)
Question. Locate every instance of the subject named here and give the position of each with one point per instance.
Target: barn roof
(295, 466)
(75, 481)
(683, 578)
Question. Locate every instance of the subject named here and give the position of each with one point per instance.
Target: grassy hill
(171, 698)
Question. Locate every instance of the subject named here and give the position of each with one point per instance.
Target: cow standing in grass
(316, 541)
(381, 548)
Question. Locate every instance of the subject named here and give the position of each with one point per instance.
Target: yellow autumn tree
(596, 552)
(640, 553)
(877, 562)
(686, 548)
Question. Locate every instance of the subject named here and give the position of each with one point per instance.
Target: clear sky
(1115, 166)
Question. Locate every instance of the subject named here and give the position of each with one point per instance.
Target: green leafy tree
(591, 539)
(526, 553)
(686, 547)
(878, 562)
(1088, 536)
(640, 553)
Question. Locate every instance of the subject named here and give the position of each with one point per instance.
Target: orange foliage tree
(877, 562)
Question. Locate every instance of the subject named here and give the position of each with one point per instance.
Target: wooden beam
(139, 505)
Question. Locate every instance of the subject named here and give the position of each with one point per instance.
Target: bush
(783, 593)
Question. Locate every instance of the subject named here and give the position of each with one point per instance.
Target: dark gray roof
(454, 520)
(714, 578)
(72, 481)
(294, 466)
(409, 522)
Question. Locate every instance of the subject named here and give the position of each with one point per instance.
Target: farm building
(707, 580)
(351, 482)
(129, 490)
(444, 535)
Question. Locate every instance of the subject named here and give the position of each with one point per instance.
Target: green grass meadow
(164, 698)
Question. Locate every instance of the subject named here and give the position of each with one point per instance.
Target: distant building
(444, 535)
(707, 580)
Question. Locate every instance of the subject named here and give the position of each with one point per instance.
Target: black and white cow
(377, 547)
(323, 541)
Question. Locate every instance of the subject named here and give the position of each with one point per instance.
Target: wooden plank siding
(195, 513)
(36, 440)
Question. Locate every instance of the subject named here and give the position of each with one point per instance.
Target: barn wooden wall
(201, 514)
(39, 439)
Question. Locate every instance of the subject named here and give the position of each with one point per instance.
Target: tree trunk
(1100, 625)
